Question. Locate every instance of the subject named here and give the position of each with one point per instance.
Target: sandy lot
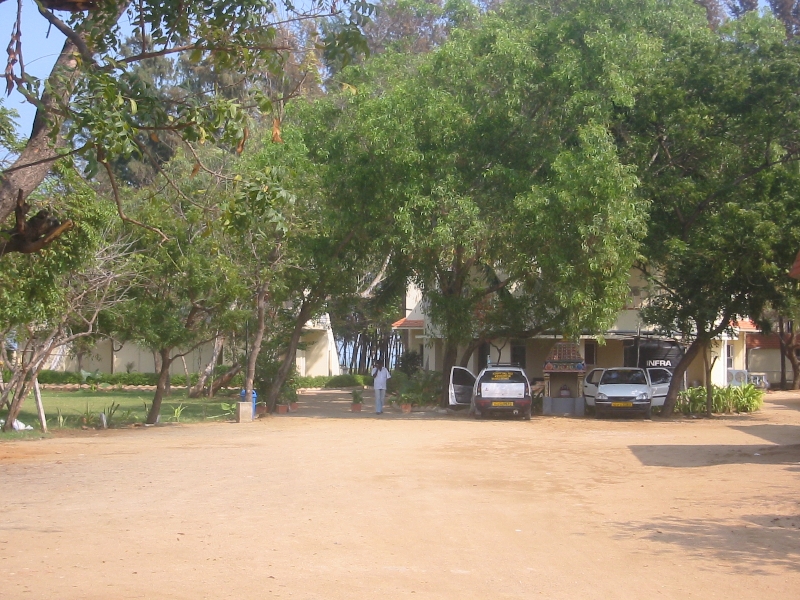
(325, 504)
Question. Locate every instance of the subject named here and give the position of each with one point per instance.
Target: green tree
(94, 103)
(54, 298)
(493, 161)
(715, 134)
(189, 284)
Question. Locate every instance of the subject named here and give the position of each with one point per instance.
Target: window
(594, 376)
(590, 352)
(518, 354)
(729, 355)
(483, 355)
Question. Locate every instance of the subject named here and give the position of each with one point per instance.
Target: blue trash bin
(253, 397)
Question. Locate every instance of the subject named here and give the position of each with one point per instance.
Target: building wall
(768, 361)
(610, 354)
(319, 358)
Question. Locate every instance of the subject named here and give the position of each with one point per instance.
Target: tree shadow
(783, 402)
(774, 433)
(706, 455)
(759, 541)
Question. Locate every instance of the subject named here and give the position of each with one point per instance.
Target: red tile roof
(746, 325)
(795, 272)
(764, 342)
(408, 324)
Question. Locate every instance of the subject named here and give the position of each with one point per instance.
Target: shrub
(349, 380)
(266, 371)
(409, 362)
(58, 377)
(746, 398)
(313, 382)
(424, 388)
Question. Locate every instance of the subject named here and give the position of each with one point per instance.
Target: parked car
(626, 390)
(500, 389)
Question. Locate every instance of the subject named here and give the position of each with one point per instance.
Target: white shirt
(380, 378)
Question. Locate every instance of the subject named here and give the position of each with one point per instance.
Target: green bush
(67, 377)
(266, 370)
(409, 362)
(313, 382)
(349, 380)
(422, 389)
(746, 398)
(398, 381)
(58, 377)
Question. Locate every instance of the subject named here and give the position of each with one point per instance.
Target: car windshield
(623, 376)
(509, 376)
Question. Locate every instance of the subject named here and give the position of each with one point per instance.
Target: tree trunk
(197, 390)
(782, 342)
(40, 150)
(224, 379)
(188, 376)
(469, 351)
(709, 366)
(14, 396)
(448, 362)
(161, 386)
(37, 394)
(261, 311)
(306, 310)
(677, 377)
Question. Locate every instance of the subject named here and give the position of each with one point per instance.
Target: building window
(729, 355)
(483, 356)
(590, 352)
(518, 354)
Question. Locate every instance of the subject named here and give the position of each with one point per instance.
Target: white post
(37, 394)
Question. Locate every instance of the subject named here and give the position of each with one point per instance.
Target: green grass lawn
(71, 410)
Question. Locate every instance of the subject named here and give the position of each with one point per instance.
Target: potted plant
(406, 401)
(282, 409)
(358, 400)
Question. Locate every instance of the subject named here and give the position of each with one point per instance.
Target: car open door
(659, 382)
(462, 381)
(590, 385)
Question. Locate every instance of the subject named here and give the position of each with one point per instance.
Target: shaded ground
(328, 504)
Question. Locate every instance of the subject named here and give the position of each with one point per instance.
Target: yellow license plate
(622, 404)
(502, 404)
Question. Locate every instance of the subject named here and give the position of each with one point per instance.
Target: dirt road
(325, 504)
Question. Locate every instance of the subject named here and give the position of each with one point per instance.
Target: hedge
(348, 380)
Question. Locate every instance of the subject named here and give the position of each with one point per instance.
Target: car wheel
(526, 415)
(598, 414)
(477, 414)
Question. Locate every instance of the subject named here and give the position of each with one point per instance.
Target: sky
(39, 51)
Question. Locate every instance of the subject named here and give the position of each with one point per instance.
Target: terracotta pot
(355, 407)
(406, 408)
(293, 406)
(261, 409)
(283, 409)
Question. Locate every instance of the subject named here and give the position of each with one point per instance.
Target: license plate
(622, 404)
(502, 404)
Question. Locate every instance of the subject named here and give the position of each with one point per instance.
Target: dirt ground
(327, 504)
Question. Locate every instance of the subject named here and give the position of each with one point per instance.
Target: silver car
(626, 390)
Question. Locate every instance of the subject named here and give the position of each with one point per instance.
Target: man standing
(381, 376)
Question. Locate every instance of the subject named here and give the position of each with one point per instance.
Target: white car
(626, 389)
(497, 389)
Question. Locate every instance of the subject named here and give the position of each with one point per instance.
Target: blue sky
(39, 50)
